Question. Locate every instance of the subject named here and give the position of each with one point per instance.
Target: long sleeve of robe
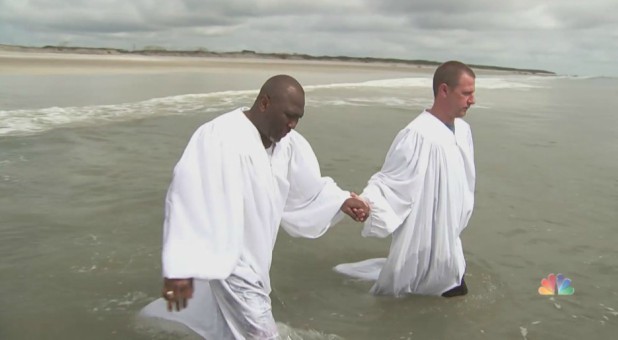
(313, 201)
(204, 209)
(423, 196)
(223, 209)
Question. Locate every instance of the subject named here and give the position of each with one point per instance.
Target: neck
(253, 119)
(265, 141)
(442, 115)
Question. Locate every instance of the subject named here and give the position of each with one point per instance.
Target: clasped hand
(356, 207)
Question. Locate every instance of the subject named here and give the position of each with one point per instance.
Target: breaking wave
(29, 121)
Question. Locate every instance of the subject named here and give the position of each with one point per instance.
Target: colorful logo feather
(556, 284)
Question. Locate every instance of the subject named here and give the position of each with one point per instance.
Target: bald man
(241, 176)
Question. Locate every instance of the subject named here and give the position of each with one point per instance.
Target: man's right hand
(176, 292)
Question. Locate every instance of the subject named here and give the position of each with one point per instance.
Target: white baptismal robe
(224, 206)
(423, 196)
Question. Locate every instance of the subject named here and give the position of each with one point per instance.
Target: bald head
(281, 85)
(449, 74)
(278, 108)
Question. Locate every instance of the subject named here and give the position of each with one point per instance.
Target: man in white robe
(424, 196)
(241, 176)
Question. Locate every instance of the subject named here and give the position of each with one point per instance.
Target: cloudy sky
(564, 36)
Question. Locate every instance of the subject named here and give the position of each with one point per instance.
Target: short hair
(449, 73)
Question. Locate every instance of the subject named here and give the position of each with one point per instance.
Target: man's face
(461, 97)
(284, 112)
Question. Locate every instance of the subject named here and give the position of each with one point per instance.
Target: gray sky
(564, 36)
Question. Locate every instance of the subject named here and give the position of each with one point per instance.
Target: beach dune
(63, 60)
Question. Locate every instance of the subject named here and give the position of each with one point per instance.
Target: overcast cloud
(564, 36)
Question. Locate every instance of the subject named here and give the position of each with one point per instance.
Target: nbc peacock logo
(556, 284)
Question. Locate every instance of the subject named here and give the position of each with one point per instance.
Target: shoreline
(58, 59)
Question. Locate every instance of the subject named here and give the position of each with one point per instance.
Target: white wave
(539, 79)
(389, 101)
(516, 82)
(505, 83)
(121, 303)
(289, 333)
(384, 83)
(27, 121)
(574, 77)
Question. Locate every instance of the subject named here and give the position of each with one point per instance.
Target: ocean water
(85, 161)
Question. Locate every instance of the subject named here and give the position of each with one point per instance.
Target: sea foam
(30, 121)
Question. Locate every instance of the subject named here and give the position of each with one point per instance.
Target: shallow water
(85, 162)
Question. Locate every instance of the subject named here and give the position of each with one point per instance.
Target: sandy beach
(15, 62)
(20, 60)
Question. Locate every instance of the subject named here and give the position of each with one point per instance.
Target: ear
(264, 102)
(443, 89)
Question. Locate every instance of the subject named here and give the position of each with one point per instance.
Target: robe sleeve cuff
(382, 220)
